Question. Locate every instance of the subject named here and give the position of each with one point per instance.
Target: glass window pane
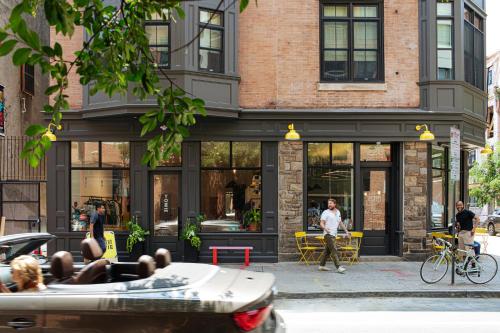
(211, 60)
(444, 34)
(374, 184)
(444, 9)
(205, 38)
(335, 65)
(115, 154)
(375, 152)
(216, 39)
(216, 17)
(162, 35)
(85, 154)
(364, 11)
(173, 160)
(342, 153)
(335, 35)
(478, 22)
(160, 55)
(109, 187)
(246, 155)
(215, 154)
(445, 65)
(335, 11)
(231, 200)
(324, 183)
(151, 33)
(438, 196)
(365, 65)
(166, 203)
(318, 154)
(438, 157)
(365, 35)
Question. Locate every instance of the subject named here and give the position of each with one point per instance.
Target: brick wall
(290, 197)
(415, 243)
(279, 58)
(74, 90)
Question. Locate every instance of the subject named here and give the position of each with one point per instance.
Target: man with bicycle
(466, 223)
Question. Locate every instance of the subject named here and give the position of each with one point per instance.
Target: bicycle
(479, 269)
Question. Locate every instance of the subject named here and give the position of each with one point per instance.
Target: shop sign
(455, 153)
(164, 207)
(111, 253)
(2, 111)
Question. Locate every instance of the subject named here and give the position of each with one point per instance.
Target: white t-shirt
(332, 219)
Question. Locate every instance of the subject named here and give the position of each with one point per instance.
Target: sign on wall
(165, 207)
(2, 111)
(455, 154)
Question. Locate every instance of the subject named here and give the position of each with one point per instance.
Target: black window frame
(445, 169)
(350, 35)
(489, 80)
(28, 79)
(452, 49)
(210, 26)
(230, 167)
(475, 75)
(161, 23)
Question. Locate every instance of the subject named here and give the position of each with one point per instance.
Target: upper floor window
(211, 45)
(444, 12)
(158, 32)
(28, 79)
(490, 75)
(351, 41)
(473, 48)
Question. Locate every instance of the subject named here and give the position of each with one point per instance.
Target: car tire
(491, 229)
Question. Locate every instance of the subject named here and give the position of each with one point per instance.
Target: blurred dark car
(105, 297)
(492, 222)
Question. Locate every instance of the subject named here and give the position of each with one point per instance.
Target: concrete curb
(393, 294)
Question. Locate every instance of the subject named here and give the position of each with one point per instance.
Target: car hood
(189, 287)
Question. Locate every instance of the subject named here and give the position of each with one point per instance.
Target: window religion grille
(351, 41)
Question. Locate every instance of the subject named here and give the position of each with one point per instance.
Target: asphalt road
(387, 315)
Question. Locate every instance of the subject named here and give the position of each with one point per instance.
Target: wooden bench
(246, 248)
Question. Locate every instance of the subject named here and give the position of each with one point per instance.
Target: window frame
(452, 49)
(446, 176)
(350, 19)
(208, 26)
(161, 23)
(99, 167)
(231, 168)
(24, 76)
(468, 11)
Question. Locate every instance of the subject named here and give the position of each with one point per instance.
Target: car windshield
(10, 251)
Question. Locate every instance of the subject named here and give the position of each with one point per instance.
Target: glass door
(166, 208)
(375, 211)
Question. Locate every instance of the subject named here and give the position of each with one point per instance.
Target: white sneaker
(341, 270)
(323, 268)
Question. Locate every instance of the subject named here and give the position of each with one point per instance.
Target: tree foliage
(487, 177)
(115, 55)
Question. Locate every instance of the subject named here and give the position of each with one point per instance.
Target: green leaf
(243, 5)
(48, 51)
(21, 56)
(52, 89)
(15, 16)
(3, 35)
(33, 161)
(7, 46)
(180, 12)
(58, 50)
(35, 129)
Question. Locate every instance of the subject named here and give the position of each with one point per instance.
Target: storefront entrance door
(165, 213)
(375, 211)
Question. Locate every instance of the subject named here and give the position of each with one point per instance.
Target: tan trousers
(330, 249)
(464, 237)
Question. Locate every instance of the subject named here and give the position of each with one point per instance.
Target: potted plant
(192, 242)
(252, 219)
(136, 235)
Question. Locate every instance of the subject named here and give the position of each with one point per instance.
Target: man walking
(97, 226)
(466, 222)
(330, 221)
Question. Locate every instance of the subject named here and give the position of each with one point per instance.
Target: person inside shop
(97, 225)
(466, 223)
(26, 274)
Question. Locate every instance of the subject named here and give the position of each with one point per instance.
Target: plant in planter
(192, 242)
(136, 234)
(252, 219)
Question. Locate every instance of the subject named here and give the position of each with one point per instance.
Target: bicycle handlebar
(442, 241)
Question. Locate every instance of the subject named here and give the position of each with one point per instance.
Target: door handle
(20, 323)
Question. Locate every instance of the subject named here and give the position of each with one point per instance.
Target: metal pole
(453, 234)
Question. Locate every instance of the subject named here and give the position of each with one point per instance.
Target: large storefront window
(100, 174)
(329, 175)
(439, 188)
(231, 186)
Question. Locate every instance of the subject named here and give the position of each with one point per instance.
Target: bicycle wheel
(434, 268)
(482, 269)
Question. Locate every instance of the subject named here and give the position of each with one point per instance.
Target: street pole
(453, 232)
(454, 176)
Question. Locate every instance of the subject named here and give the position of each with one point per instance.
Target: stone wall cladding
(290, 197)
(279, 58)
(415, 242)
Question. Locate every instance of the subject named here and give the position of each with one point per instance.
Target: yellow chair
(437, 248)
(306, 251)
(350, 251)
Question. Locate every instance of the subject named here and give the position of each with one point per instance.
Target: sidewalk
(368, 279)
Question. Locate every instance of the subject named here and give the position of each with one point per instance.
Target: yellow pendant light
(426, 135)
(49, 135)
(292, 134)
(486, 150)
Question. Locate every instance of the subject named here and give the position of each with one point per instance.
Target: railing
(13, 167)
